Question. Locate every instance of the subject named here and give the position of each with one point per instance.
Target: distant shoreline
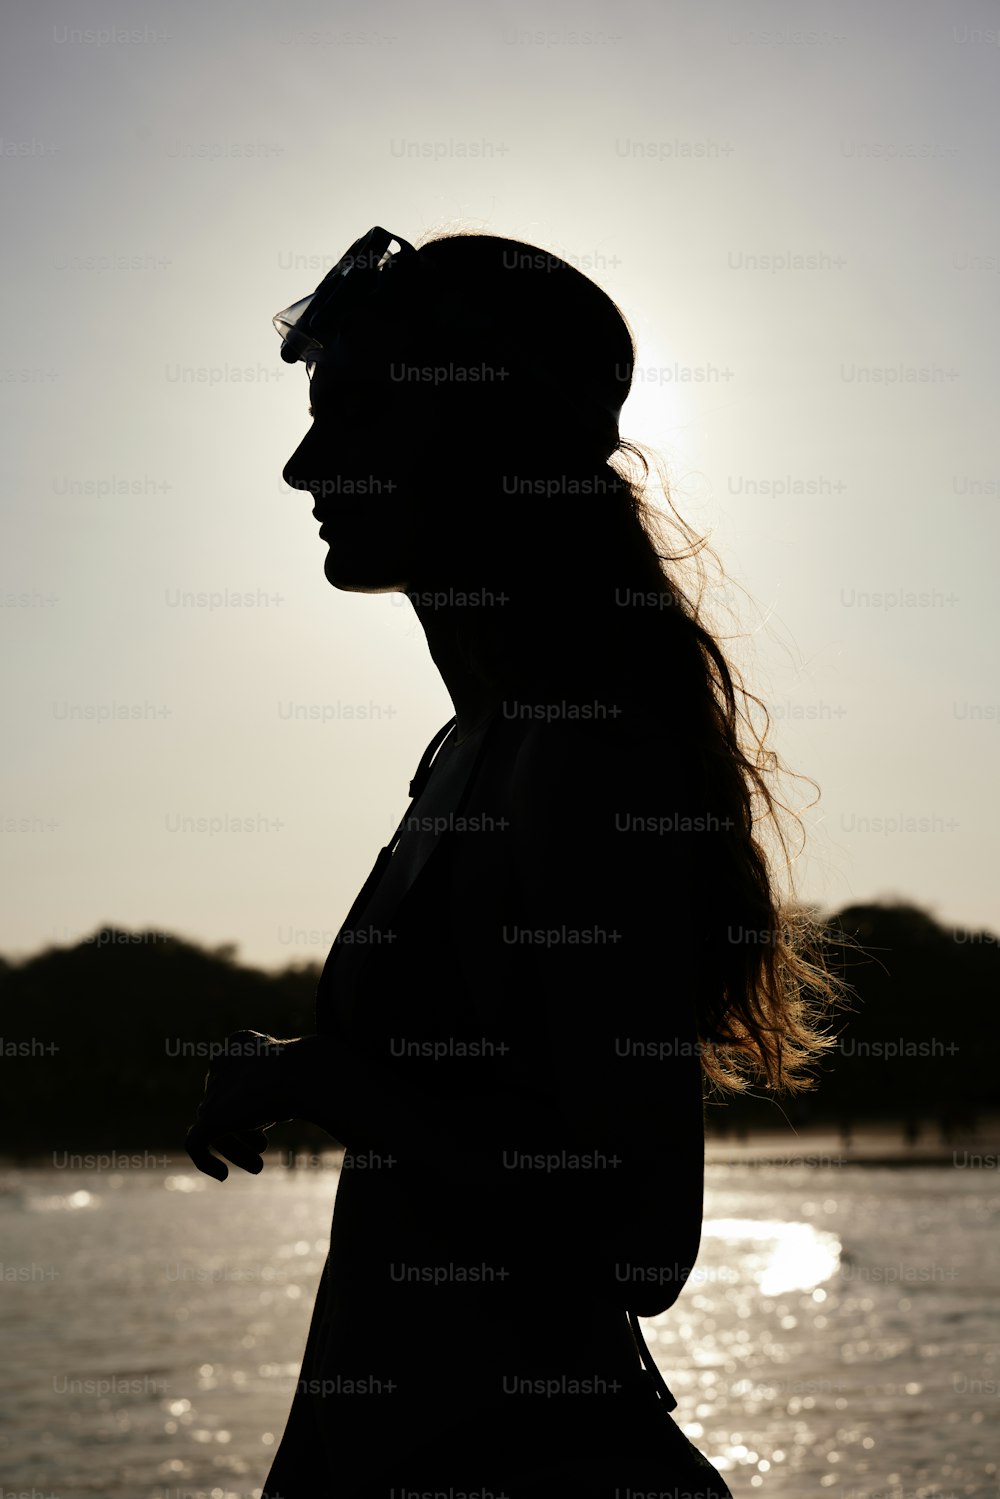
(878, 1145)
(984, 1160)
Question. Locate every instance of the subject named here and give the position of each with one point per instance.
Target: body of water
(839, 1336)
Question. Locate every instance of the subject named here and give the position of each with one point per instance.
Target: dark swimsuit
(399, 1380)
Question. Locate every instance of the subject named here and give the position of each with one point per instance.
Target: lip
(338, 512)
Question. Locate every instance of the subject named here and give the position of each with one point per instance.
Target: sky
(794, 206)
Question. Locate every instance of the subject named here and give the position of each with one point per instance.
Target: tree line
(105, 1044)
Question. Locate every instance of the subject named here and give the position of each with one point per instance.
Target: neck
(473, 695)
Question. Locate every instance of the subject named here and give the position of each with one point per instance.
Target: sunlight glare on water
(794, 1256)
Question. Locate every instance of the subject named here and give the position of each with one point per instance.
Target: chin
(358, 579)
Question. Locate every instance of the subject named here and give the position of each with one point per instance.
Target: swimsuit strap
(420, 775)
(382, 859)
(662, 1392)
(424, 768)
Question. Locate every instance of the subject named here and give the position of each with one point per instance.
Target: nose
(317, 462)
(291, 476)
(296, 471)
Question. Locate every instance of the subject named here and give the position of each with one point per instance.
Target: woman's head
(486, 373)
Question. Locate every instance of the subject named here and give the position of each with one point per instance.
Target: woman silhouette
(573, 931)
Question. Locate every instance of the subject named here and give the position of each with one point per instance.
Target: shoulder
(584, 795)
(605, 758)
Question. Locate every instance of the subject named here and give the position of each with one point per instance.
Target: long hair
(578, 583)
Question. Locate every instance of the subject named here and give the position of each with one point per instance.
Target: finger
(241, 1146)
(196, 1145)
(235, 1148)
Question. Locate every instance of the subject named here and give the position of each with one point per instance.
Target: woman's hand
(246, 1093)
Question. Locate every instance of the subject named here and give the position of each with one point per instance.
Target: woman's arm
(364, 1105)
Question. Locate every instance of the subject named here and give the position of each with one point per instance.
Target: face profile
(465, 380)
(353, 463)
